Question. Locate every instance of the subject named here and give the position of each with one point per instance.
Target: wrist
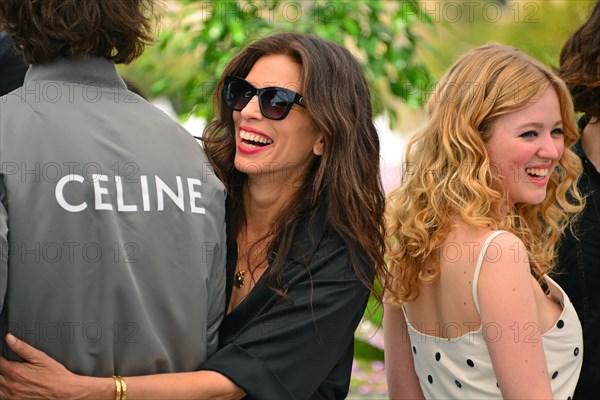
(91, 388)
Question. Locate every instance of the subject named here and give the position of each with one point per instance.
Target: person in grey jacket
(112, 223)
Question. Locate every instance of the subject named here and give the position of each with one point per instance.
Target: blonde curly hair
(448, 174)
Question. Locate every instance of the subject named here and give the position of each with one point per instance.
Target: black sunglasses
(275, 102)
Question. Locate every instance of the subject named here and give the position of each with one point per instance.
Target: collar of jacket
(95, 71)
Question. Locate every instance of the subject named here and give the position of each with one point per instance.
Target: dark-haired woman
(579, 253)
(295, 145)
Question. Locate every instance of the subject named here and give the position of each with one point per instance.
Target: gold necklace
(238, 279)
(239, 276)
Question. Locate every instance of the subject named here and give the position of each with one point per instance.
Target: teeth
(254, 138)
(535, 171)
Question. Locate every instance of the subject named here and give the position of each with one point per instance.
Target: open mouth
(537, 173)
(252, 140)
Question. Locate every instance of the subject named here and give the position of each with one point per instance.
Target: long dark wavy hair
(45, 29)
(580, 65)
(344, 182)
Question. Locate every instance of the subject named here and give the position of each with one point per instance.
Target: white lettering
(60, 186)
(162, 189)
(121, 206)
(195, 195)
(145, 193)
(106, 195)
(99, 191)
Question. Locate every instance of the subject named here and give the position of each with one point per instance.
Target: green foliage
(365, 351)
(366, 347)
(538, 28)
(201, 36)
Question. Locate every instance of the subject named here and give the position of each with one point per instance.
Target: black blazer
(12, 68)
(300, 347)
(579, 273)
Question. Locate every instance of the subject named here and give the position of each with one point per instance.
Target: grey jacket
(112, 236)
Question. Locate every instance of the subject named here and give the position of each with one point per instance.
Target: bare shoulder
(507, 252)
(469, 241)
(505, 271)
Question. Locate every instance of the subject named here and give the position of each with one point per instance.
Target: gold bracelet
(123, 388)
(118, 387)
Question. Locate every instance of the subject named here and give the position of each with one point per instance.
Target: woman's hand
(39, 377)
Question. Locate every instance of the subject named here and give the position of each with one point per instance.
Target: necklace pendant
(238, 279)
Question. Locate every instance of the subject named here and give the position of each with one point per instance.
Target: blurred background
(404, 47)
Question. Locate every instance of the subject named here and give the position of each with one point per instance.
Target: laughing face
(275, 150)
(525, 146)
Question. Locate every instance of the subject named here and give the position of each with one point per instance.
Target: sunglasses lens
(237, 94)
(275, 103)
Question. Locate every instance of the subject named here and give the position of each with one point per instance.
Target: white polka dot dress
(461, 368)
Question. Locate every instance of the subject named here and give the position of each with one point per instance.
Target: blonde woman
(471, 312)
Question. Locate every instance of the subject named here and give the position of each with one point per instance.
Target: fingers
(4, 368)
(23, 350)
(3, 390)
(6, 382)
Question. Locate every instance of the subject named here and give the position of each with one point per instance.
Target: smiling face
(275, 150)
(525, 146)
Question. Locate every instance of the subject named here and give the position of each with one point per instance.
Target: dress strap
(480, 263)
